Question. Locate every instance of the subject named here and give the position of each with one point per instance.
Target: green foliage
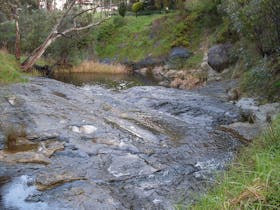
(122, 9)
(257, 20)
(118, 22)
(9, 69)
(7, 35)
(257, 169)
(262, 79)
(136, 7)
(195, 60)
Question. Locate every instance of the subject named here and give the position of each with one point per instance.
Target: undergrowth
(9, 69)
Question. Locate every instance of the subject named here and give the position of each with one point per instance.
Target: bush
(258, 21)
(118, 21)
(122, 9)
(136, 7)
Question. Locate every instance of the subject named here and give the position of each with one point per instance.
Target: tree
(67, 25)
(11, 9)
(136, 7)
(122, 9)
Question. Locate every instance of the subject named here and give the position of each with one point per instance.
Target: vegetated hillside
(9, 69)
(254, 56)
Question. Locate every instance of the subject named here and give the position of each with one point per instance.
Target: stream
(92, 147)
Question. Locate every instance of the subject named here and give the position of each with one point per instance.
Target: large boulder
(178, 57)
(219, 56)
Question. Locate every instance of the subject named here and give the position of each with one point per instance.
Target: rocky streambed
(147, 147)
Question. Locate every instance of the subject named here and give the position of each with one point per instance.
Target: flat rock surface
(141, 148)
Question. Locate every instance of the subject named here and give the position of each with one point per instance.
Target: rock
(178, 57)
(147, 62)
(188, 82)
(12, 100)
(234, 94)
(158, 73)
(246, 132)
(46, 181)
(219, 56)
(179, 52)
(171, 74)
(164, 83)
(142, 71)
(84, 129)
(39, 155)
(142, 154)
(260, 114)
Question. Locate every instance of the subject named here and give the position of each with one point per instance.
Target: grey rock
(141, 156)
(219, 56)
(178, 57)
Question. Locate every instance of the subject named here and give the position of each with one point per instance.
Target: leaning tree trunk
(37, 53)
(55, 34)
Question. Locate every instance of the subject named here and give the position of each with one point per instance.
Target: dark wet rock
(219, 56)
(151, 147)
(178, 57)
(147, 62)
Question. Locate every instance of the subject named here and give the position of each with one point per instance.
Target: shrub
(122, 9)
(136, 7)
(118, 21)
(258, 21)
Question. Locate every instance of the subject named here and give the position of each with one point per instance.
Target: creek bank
(170, 71)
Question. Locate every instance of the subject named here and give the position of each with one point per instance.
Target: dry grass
(96, 67)
(13, 134)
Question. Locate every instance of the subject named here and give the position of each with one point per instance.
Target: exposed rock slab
(141, 148)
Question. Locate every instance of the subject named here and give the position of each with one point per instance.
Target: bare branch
(87, 10)
(84, 27)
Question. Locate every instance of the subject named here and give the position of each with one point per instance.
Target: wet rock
(246, 132)
(142, 155)
(219, 56)
(39, 154)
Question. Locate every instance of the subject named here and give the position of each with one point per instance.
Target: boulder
(158, 73)
(143, 71)
(145, 63)
(178, 57)
(219, 56)
(259, 114)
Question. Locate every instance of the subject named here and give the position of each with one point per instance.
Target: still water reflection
(112, 81)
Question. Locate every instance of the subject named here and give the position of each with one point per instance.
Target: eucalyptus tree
(72, 20)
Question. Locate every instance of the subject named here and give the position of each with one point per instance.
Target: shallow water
(112, 81)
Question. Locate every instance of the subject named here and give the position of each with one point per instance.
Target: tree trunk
(17, 43)
(55, 34)
(37, 53)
